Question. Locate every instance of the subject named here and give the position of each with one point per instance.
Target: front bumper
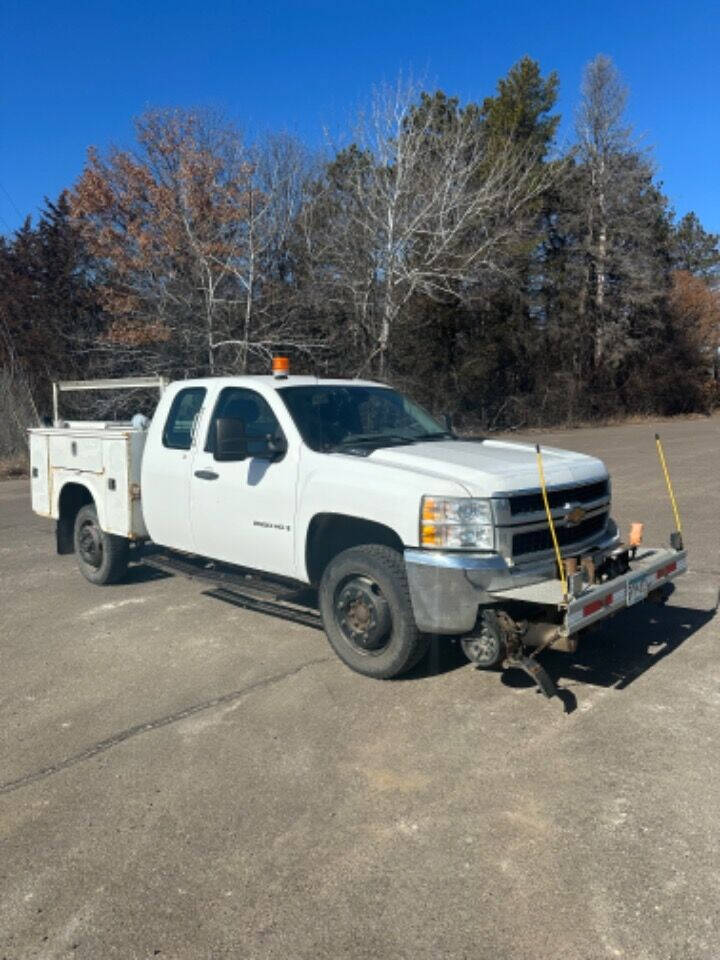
(651, 569)
(446, 589)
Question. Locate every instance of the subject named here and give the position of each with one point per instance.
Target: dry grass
(13, 468)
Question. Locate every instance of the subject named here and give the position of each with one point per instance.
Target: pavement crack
(139, 728)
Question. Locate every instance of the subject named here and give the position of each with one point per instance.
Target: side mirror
(276, 445)
(230, 439)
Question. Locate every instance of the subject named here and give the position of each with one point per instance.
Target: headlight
(456, 523)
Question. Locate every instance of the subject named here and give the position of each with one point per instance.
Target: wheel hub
(362, 613)
(486, 647)
(90, 543)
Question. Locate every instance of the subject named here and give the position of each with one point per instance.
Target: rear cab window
(180, 423)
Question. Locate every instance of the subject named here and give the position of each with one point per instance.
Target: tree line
(451, 249)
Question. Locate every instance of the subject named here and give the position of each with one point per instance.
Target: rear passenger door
(243, 512)
(166, 470)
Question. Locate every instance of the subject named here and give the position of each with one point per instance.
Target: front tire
(367, 613)
(102, 557)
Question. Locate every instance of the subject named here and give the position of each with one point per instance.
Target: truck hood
(492, 467)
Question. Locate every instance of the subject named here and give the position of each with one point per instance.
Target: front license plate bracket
(637, 589)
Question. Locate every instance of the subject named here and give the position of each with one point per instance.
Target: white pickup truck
(405, 530)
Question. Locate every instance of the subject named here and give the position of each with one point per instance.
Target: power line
(2, 187)
(10, 229)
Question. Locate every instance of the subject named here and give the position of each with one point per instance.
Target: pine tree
(48, 310)
(503, 329)
(694, 249)
(521, 108)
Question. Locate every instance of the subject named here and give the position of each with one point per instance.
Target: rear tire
(367, 613)
(102, 557)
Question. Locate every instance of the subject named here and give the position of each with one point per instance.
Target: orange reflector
(280, 366)
(430, 536)
(429, 510)
(636, 534)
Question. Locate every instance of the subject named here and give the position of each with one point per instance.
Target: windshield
(332, 417)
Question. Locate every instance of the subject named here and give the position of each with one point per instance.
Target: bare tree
(186, 229)
(415, 208)
(601, 138)
(17, 404)
(623, 220)
(156, 221)
(279, 170)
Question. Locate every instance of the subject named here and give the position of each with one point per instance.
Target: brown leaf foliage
(696, 308)
(167, 222)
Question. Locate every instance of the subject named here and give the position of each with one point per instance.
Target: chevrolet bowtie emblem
(574, 516)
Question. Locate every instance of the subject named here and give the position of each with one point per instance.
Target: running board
(274, 608)
(199, 568)
(277, 598)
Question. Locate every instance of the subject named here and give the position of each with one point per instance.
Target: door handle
(206, 474)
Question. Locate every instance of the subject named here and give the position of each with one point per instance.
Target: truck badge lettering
(270, 526)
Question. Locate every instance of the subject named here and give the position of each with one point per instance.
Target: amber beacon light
(280, 366)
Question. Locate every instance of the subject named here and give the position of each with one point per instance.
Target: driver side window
(259, 421)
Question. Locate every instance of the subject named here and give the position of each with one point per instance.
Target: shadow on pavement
(444, 654)
(141, 573)
(620, 650)
(615, 654)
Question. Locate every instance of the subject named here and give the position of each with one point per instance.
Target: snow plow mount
(649, 570)
(621, 581)
(627, 577)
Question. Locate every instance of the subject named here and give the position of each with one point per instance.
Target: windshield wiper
(436, 435)
(378, 440)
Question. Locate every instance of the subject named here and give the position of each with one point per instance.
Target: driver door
(243, 511)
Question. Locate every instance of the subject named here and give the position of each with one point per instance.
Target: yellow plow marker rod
(668, 482)
(551, 523)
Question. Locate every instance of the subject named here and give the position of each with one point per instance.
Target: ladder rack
(122, 383)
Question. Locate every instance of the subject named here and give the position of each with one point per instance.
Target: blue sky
(75, 73)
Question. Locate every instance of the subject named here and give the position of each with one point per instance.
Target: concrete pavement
(182, 779)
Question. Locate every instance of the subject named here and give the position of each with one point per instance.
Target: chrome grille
(533, 501)
(521, 526)
(533, 541)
